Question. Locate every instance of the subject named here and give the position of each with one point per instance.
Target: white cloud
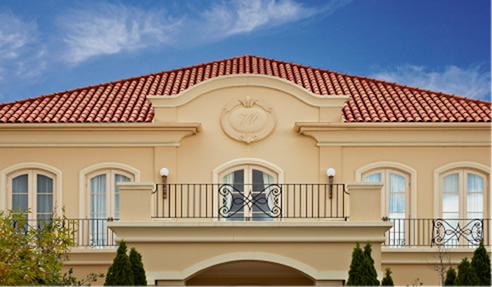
(109, 29)
(243, 16)
(473, 82)
(15, 34)
(22, 56)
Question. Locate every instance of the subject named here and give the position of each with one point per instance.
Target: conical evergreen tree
(481, 265)
(139, 277)
(466, 274)
(356, 267)
(450, 277)
(372, 278)
(387, 280)
(120, 272)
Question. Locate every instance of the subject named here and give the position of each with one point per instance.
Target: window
(463, 200)
(246, 193)
(395, 200)
(32, 189)
(395, 197)
(104, 202)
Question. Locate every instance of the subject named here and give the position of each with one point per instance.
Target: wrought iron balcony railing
(87, 232)
(447, 233)
(258, 202)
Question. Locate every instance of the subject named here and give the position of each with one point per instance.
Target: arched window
(104, 202)
(104, 198)
(246, 189)
(32, 189)
(249, 195)
(464, 199)
(396, 195)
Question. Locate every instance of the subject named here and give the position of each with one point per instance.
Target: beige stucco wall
(187, 138)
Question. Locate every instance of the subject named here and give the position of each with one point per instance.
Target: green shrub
(481, 265)
(362, 271)
(139, 277)
(355, 271)
(450, 277)
(120, 272)
(387, 280)
(466, 274)
(372, 274)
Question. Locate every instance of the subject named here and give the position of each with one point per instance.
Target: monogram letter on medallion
(248, 119)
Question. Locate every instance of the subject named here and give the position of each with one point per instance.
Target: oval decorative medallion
(248, 119)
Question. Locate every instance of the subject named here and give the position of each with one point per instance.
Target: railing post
(136, 201)
(365, 201)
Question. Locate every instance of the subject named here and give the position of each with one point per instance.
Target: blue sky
(54, 45)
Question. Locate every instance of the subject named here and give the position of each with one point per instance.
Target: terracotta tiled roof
(124, 100)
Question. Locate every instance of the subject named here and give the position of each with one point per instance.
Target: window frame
(231, 165)
(248, 181)
(110, 192)
(32, 192)
(475, 166)
(403, 168)
(5, 195)
(463, 191)
(84, 193)
(385, 194)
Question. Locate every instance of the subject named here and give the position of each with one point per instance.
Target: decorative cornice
(396, 134)
(252, 80)
(95, 134)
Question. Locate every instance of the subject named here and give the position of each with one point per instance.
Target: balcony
(432, 232)
(250, 202)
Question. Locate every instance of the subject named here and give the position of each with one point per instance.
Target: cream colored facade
(269, 124)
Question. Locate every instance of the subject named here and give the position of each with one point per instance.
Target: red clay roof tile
(125, 100)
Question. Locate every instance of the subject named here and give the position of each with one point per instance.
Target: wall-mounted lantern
(164, 173)
(331, 174)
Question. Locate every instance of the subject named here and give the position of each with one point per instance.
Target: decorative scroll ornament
(451, 233)
(248, 119)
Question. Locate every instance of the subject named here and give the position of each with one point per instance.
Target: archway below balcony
(250, 268)
(249, 273)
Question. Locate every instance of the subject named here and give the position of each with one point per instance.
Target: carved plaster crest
(248, 119)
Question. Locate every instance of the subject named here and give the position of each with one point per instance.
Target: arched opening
(249, 272)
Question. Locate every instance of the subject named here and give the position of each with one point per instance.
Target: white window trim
(247, 161)
(58, 203)
(83, 181)
(412, 173)
(457, 165)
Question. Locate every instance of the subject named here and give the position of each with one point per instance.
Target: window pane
(118, 178)
(19, 201)
(396, 183)
(450, 202)
(19, 184)
(264, 200)
(450, 183)
(373, 178)
(397, 202)
(45, 184)
(474, 215)
(20, 192)
(98, 196)
(45, 203)
(234, 195)
(474, 202)
(475, 183)
(44, 198)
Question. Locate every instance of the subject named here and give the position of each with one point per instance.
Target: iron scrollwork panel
(266, 201)
(451, 231)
